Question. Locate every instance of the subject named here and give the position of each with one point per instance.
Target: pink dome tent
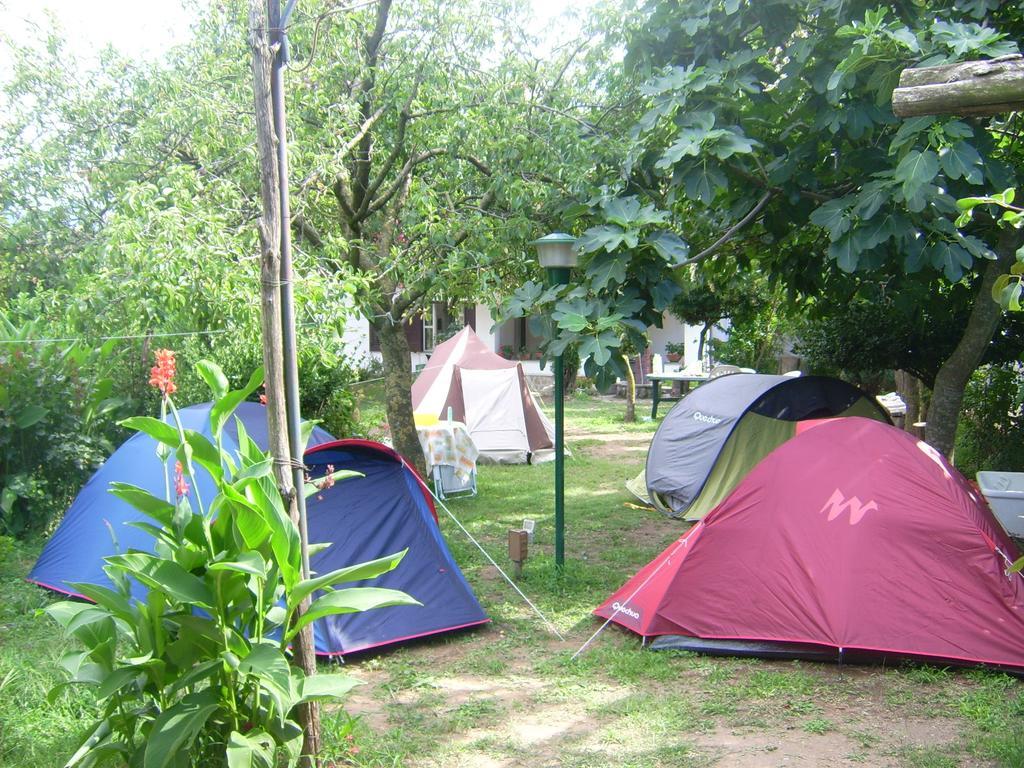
(854, 540)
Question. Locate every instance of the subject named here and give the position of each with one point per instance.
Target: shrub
(55, 403)
(991, 430)
(198, 673)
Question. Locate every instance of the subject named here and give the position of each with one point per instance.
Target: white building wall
(483, 324)
(356, 340)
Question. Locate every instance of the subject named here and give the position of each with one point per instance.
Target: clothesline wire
(167, 334)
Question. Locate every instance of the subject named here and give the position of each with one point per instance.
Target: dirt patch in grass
(610, 445)
(623, 705)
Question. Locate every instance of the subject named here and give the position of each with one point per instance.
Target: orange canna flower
(162, 374)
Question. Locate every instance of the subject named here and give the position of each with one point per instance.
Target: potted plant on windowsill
(674, 351)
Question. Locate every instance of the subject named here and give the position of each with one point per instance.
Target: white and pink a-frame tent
(490, 395)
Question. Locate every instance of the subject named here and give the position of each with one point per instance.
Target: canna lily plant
(198, 672)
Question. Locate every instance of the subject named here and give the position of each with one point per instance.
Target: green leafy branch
(1008, 288)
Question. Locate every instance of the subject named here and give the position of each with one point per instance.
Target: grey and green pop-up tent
(720, 431)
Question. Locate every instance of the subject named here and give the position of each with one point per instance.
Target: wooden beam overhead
(991, 87)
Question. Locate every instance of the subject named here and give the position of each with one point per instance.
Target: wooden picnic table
(686, 380)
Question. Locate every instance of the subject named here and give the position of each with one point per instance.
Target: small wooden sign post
(518, 549)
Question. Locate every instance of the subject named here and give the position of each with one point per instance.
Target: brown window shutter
(469, 317)
(374, 340)
(414, 334)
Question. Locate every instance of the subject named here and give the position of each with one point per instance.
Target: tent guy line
(512, 584)
(679, 545)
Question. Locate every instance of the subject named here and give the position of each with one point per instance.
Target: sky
(143, 29)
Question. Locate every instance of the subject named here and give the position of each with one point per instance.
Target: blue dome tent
(384, 512)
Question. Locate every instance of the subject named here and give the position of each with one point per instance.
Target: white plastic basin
(1005, 494)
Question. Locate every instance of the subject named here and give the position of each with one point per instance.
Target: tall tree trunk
(269, 227)
(952, 378)
(394, 348)
(570, 369)
(909, 388)
(630, 416)
(705, 329)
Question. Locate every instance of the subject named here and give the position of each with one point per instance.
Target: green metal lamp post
(557, 254)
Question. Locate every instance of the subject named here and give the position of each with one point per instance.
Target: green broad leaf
(263, 495)
(845, 253)
(115, 602)
(165, 575)
(1010, 298)
(1017, 567)
(64, 611)
(672, 248)
(320, 686)
(607, 236)
(833, 216)
(570, 321)
(214, 378)
(276, 616)
(94, 628)
(306, 432)
(30, 415)
(354, 600)
(874, 232)
(248, 518)
(622, 210)
(316, 549)
(309, 489)
(195, 674)
(160, 431)
(268, 665)
(663, 293)
(252, 750)
(687, 144)
(368, 570)
(245, 562)
(259, 469)
(608, 321)
(998, 287)
(873, 196)
(176, 728)
(605, 269)
(916, 170)
(82, 669)
(225, 406)
(203, 452)
(967, 203)
(116, 680)
(909, 130)
(976, 247)
(951, 258)
(93, 741)
(601, 353)
(160, 510)
(732, 141)
(962, 161)
(703, 182)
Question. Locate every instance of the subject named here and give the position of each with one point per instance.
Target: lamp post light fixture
(557, 254)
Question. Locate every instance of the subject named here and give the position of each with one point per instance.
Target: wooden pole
(987, 87)
(270, 226)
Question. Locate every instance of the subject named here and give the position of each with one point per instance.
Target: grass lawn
(509, 695)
